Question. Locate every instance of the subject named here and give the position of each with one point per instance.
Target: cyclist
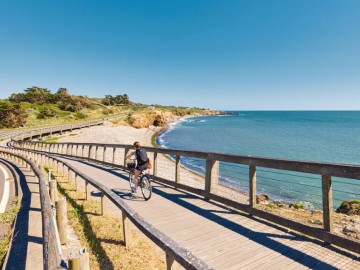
(141, 164)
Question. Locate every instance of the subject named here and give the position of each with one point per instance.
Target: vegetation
(349, 207)
(103, 235)
(109, 100)
(11, 115)
(37, 106)
(65, 101)
(6, 221)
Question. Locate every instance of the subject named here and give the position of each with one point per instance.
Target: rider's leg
(136, 176)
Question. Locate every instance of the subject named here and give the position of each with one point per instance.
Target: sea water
(325, 136)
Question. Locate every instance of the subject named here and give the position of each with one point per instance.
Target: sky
(224, 54)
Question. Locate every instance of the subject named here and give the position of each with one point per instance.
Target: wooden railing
(49, 130)
(51, 253)
(174, 252)
(96, 152)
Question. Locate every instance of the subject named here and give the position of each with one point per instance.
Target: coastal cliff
(145, 119)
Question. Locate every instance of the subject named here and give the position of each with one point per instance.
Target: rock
(349, 207)
(316, 212)
(352, 230)
(227, 113)
(262, 199)
(311, 221)
(318, 222)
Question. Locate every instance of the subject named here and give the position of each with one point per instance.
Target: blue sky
(258, 54)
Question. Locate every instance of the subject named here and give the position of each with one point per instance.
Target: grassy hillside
(38, 107)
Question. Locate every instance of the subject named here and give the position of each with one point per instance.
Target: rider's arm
(130, 155)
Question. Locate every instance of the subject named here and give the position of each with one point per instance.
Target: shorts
(142, 167)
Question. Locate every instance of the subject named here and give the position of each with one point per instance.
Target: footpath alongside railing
(174, 252)
(51, 253)
(49, 130)
(209, 186)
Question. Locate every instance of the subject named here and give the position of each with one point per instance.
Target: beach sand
(113, 134)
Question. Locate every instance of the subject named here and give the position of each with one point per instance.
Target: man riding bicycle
(141, 164)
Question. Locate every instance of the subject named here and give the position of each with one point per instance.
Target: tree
(11, 115)
(33, 95)
(109, 100)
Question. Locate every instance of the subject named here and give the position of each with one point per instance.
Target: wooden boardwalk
(223, 238)
(27, 247)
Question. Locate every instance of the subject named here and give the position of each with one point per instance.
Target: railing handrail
(312, 167)
(51, 252)
(325, 170)
(183, 256)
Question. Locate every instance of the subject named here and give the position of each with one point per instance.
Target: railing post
(252, 186)
(126, 152)
(126, 230)
(113, 158)
(53, 191)
(171, 264)
(103, 203)
(87, 190)
(104, 153)
(82, 150)
(155, 164)
(61, 219)
(177, 171)
(327, 203)
(211, 177)
(89, 151)
(96, 152)
(76, 181)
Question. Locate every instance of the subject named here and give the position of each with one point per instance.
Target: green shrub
(80, 115)
(40, 116)
(299, 206)
(12, 115)
(108, 111)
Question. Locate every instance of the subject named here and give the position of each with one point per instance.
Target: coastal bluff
(145, 119)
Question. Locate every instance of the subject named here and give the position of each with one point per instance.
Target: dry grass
(103, 235)
(6, 221)
(315, 218)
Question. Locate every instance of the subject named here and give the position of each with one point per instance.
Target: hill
(38, 107)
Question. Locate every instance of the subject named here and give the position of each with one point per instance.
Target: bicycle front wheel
(146, 188)
(131, 180)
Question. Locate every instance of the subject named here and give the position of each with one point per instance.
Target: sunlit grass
(103, 235)
(6, 220)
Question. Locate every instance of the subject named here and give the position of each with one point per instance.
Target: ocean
(325, 136)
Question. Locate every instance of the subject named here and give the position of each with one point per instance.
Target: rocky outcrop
(350, 207)
(262, 199)
(161, 118)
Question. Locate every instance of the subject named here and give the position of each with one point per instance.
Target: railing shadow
(95, 245)
(19, 246)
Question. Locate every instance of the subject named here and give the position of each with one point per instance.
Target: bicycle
(143, 181)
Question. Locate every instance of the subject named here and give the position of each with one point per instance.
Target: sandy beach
(115, 134)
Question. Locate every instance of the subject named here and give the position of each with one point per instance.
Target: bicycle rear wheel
(146, 188)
